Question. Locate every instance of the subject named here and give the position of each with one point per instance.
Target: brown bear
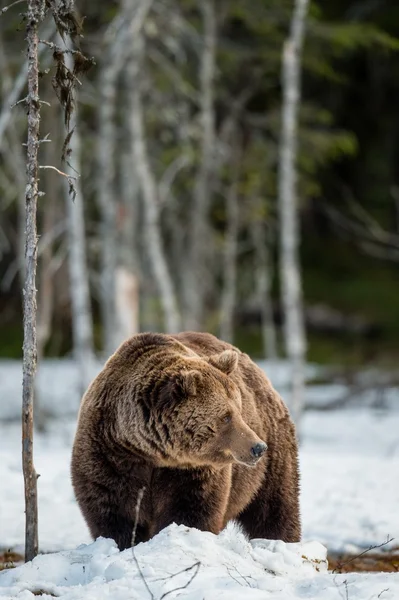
(187, 417)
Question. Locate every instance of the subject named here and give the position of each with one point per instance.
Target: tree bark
(198, 267)
(35, 8)
(149, 192)
(290, 272)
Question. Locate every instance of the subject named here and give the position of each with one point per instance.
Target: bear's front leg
(193, 497)
(109, 510)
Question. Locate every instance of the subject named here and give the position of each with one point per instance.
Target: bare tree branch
(58, 171)
(6, 8)
(59, 49)
(169, 175)
(369, 235)
(195, 567)
(340, 565)
(183, 86)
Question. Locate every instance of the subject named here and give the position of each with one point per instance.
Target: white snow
(202, 565)
(350, 497)
(350, 477)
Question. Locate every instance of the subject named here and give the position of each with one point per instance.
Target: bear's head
(196, 416)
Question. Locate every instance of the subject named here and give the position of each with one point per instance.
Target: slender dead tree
(290, 271)
(64, 83)
(34, 16)
(197, 273)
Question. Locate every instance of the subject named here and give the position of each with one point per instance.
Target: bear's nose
(258, 449)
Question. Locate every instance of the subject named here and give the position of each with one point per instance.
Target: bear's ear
(184, 384)
(226, 361)
(189, 382)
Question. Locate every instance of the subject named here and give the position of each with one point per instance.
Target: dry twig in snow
(340, 566)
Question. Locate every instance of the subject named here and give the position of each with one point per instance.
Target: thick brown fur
(180, 415)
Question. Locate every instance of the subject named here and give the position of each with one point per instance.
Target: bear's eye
(227, 418)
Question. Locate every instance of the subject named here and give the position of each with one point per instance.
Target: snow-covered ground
(350, 499)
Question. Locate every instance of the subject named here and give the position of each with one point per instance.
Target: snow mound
(290, 559)
(170, 560)
(181, 562)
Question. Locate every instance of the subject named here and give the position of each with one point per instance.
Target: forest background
(177, 144)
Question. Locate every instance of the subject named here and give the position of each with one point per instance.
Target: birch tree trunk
(127, 279)
(197, 272)
(105, 191)
(290, 272)
(149, 192)
(230, 252)
(126, 26)
(127, 303)
(35, 13)
(82, 321)
(127, 275)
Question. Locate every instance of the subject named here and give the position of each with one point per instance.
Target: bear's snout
(245, 445)
(258, 450)
(251, 454)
